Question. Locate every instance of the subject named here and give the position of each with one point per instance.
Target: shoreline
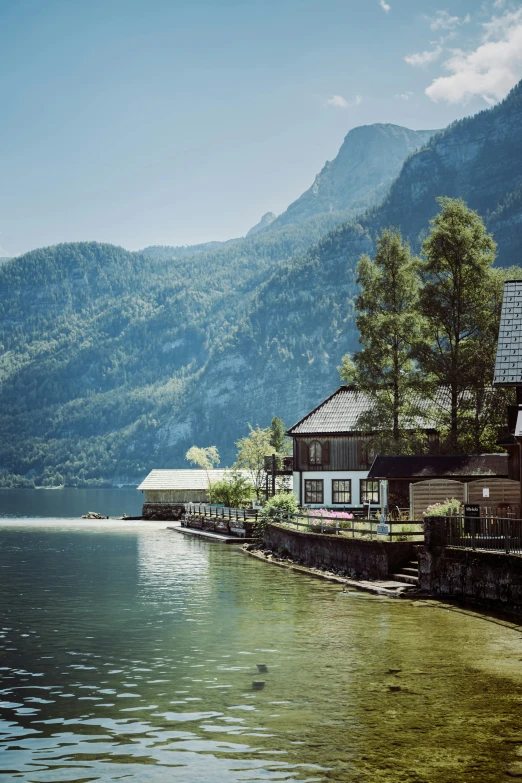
(387, 588)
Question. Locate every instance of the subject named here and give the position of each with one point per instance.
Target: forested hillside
(113, 362)
(101, 349)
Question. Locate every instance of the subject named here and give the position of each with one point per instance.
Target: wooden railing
(223, 519)
(494, 534)
(355, 527)
(221, 512)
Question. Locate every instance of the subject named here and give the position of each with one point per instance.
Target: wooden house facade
(332, 456)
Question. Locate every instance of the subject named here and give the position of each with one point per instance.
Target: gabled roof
(338, 413)
(508, 364)
(185, 478)
(459, 466)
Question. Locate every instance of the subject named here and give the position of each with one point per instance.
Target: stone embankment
(385, 587)
(163, 512)
(371, 565)
(353, 557)
(490, 578)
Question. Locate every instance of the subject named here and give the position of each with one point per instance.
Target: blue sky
(144, 122)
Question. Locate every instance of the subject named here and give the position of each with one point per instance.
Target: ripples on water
(130, 653)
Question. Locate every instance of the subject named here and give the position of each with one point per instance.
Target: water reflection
(130, 654)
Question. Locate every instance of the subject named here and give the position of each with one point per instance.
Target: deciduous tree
(251, 452)
(206, 458)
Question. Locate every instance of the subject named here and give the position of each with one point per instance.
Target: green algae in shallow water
(135, 650)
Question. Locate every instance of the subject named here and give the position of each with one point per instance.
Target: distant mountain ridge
(266, 221)
(165, 252)
(358, 177)
(370, 158)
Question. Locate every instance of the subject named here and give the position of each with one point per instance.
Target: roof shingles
(188, 478)
(439, 466)
(338, 413)
(508, 364)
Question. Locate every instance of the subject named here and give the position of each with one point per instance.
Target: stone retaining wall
(354, 557)
(493, 578)
(168, 512)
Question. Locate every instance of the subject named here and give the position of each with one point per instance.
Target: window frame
(342, 492)
(309, 492)
(363, 482)
(317, 452)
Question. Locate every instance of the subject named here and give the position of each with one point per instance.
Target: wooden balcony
(275, 465)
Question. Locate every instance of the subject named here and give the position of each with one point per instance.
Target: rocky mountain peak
(267, 220)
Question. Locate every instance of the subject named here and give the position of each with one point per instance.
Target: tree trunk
(395, 392)
(454, 420)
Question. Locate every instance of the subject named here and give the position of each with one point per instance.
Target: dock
(209, 535)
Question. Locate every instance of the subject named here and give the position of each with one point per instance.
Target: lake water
(68, 502)
(128, 653)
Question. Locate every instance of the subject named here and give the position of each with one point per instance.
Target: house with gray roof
(333, 455)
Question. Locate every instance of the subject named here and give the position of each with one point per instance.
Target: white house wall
(327, 476)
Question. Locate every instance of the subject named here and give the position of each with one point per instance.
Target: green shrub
(234, 490)
(285, 503)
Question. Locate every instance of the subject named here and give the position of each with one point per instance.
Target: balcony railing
(281, 466)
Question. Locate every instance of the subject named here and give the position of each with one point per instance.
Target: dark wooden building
(332, 455)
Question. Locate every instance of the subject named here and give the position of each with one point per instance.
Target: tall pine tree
(456, 303)
(389, 325)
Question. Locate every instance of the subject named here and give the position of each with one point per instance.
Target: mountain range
(112, 362)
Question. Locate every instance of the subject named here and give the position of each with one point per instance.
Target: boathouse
(166, 489)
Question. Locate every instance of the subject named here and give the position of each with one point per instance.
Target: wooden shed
(164, 489)
(418, 481)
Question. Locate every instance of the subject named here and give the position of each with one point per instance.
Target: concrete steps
(409, 574)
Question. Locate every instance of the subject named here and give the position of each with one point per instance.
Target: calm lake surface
(128, 652)
(69, 502)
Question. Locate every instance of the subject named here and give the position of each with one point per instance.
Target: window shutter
(326, 452)
(303, 454)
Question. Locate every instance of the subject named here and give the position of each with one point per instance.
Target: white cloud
(337, 100)
(342, 103)
(443, 21)
(404, 96)
(384, 5)
(490, 70)
(424, 58)
(498, 3)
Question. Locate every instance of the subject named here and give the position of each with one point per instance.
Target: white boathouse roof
(186, 478)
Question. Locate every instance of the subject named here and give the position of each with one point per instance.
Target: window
(316, 453)
(369, 491)
(314, 491)
(368, 453)
(341, 491)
